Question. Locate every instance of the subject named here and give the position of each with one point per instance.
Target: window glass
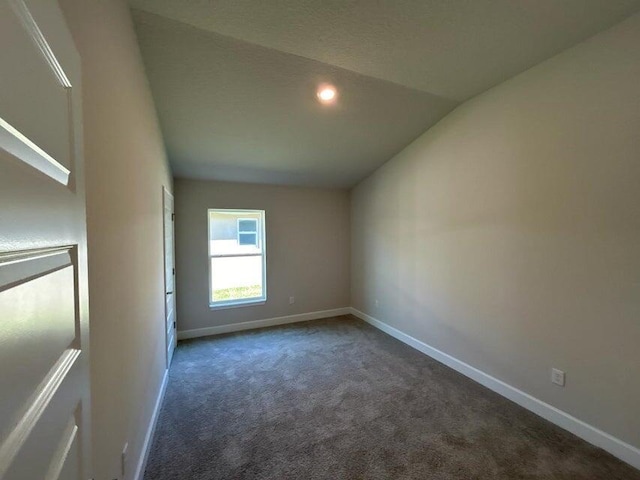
(237, 258)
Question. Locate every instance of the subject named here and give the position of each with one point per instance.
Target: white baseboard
(148, 438)
(618, 448)
(267, 322)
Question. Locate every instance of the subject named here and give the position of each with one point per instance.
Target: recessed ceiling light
(326, 93)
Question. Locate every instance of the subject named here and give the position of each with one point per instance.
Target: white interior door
(169, 274)
(44, 379)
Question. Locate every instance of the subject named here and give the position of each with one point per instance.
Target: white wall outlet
(123, 460)
(557, 377)
(376, 303)
(292, 300)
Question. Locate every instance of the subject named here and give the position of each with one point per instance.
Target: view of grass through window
(236, 293)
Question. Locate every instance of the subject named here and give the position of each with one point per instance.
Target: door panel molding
(21, 148)
(23, 266)
(22, 270)
(61, 456)
(43, 395)
(30, 25)
(18, 143)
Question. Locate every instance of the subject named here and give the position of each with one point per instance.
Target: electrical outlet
(376, 303)
(557, 377)
(123, 460)
(292, 300)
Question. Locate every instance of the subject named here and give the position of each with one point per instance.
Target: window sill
(236, 304)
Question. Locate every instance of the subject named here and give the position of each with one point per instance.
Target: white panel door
(169, 274)
(44, 379)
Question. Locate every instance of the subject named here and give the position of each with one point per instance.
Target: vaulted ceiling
(234, 81)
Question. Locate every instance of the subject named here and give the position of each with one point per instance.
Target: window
(248, 231)
(237, 257)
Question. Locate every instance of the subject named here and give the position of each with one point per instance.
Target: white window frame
(256, 232)
(262, 243)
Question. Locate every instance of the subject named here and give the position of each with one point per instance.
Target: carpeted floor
(337, 399)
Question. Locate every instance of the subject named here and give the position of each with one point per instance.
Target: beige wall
(508, 235)
(125, 168)
(307, 249)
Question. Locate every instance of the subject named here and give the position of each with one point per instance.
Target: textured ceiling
(235, 111)
(451, 48)
(234, 80)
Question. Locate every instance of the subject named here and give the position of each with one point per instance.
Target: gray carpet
(337, 399)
